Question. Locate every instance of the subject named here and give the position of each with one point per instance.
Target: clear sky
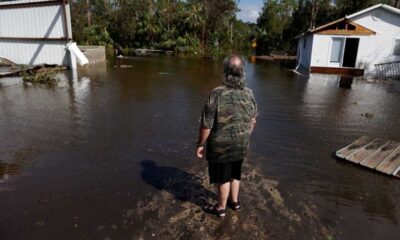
(249, 10)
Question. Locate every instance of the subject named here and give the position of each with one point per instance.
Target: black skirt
(224, 172)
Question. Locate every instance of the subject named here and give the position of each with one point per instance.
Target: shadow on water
(182, 185)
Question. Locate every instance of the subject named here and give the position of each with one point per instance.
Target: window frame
(340, 60)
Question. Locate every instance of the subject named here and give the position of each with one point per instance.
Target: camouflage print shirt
(228, 113)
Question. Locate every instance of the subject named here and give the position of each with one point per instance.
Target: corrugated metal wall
(35, 32)
(34, 52)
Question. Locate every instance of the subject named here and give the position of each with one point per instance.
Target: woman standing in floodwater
(227, 121)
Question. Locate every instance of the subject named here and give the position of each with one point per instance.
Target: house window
(337, 50)
(396, 50)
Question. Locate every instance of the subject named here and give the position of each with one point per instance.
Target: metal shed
(36, 32)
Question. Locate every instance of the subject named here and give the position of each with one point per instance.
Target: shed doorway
(350, 52)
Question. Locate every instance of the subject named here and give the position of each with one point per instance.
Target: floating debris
(115, 227)
(6, 62)
(48, 77)
(368, 115)
(123, 66)
(99, 228)
(374, 153)
(40, 224)
(23, 70)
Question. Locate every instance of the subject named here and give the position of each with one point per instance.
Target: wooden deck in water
(374, 153)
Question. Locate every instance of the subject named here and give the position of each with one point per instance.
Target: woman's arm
(203, 135)
(252, 124)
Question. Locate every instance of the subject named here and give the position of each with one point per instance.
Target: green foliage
(96, 35)
(274, 19)
(344, 7)
(203, 26)
(193, 25)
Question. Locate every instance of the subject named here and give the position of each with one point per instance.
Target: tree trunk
(89, 15)
(397, 3)
(314, 11)
(204, 29)
(231, 32)
(203, 36)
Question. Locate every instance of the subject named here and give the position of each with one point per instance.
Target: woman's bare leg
(223, 194)
(235, 184)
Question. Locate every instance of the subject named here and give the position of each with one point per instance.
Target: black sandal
(213, 210)
(235, 206)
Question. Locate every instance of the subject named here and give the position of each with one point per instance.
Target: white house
(353, 44)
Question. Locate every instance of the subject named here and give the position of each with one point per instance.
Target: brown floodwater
(109, 154)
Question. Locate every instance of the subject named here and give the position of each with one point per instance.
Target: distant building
(353, 44)
(35, 32)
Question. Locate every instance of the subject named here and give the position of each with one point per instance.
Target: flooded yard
(109, 154)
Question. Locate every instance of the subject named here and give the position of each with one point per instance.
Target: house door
(350, 52)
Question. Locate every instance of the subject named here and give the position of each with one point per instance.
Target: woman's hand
(202, 141)
(200, 152)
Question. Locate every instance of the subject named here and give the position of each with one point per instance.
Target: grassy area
(44, 75)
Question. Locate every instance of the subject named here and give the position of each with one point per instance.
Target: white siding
(304, 54)
(34, 22)
(322, 49)
(378, 48)
(34, 52)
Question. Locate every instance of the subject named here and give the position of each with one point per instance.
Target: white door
(336, 54)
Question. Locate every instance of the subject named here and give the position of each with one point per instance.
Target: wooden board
(354, 147)
(396, 172)
(337, 70)
(383, 156)
(384, 152)
(391, 163)
(368, 150)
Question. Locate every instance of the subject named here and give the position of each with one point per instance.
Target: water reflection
(13, 161)
(370, 198)
(9, 169)
(345, 82)
(10, 81)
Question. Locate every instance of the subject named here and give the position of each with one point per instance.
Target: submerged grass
(44, 75)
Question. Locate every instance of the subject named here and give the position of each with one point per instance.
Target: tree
(346, 7)
(165, 24)
(276, 16)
